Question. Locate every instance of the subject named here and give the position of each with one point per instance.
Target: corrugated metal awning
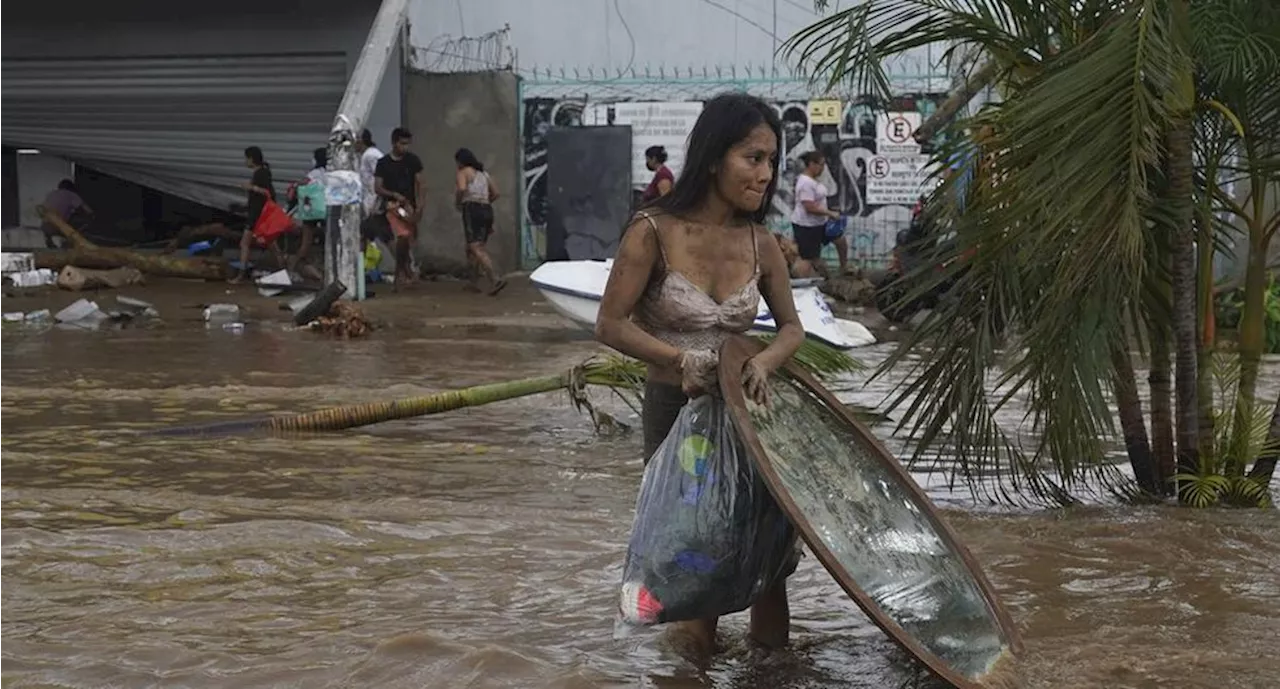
(177, 124)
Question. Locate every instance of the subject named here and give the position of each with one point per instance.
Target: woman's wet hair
(321, 156)
(658, 153)
(366, 137)
(254, 155)
(466, 158)
(811, 157)
(725, 121)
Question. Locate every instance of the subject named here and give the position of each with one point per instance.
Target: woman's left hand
(755, 381)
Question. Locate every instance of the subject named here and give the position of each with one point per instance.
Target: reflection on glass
(871, 523)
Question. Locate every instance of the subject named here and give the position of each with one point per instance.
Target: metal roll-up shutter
(177, 124)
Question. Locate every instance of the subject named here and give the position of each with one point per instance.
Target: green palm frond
(1236, 40)
(1053, 234)
(1208, 490)
(849, 45)
(626, 376)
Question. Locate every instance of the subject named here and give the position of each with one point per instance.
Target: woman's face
(651, 163)
(744, 174)
(815, 168)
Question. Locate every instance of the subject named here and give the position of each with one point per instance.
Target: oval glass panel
(871, 526)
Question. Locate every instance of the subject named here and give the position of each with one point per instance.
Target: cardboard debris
(15, 262)
(280, 277)
(31, 278)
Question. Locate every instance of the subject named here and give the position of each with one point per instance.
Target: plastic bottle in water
(222, 312)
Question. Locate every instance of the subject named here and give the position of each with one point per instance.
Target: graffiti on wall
(848, 147)
(540, 115)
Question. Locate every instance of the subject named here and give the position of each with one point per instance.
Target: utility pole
(342, 257)
(773, 60)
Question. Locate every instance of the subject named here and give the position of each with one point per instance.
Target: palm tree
(1080, 226)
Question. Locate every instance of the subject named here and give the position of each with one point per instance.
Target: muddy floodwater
(482, 548)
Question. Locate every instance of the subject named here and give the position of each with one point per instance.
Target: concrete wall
(478, 111)
(38, 174)
(228, 27)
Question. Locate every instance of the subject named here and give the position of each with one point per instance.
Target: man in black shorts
(397, 180)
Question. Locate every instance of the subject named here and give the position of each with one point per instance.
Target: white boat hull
(574, 289)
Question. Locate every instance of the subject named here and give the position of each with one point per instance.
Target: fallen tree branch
(957, 100)
(94, 256)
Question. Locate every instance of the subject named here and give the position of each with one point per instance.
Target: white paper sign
(898, 179)
(656, 124)
(895, 132)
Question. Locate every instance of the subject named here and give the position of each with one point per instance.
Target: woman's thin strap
(657, 236)
(755, 247)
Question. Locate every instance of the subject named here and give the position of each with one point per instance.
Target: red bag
(272, 222)
(400, 227)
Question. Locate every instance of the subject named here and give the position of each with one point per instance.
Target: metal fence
(566, 97)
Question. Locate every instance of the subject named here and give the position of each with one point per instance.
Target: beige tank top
(678, 312)
(477, 188)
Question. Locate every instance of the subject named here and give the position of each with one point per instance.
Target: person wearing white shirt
(810, 216)
(369, 157)
(321, 158)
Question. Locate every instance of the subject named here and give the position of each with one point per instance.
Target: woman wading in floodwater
(689, 273)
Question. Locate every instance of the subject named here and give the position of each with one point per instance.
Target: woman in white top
(810, 216)
(369, 157)
(475, 194)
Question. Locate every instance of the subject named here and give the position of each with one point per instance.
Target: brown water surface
(482, 548)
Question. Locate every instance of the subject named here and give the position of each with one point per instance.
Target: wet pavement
(482, 548)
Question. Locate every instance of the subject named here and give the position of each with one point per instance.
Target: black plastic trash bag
(708, 538)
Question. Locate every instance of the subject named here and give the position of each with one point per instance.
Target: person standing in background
(398, 181)
(369, 157)
(260, 189)
(810, 216)
(320, 160)
(311, 198)
(655, 158)
(474, 195)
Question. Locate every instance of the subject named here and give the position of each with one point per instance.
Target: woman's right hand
(698, 371)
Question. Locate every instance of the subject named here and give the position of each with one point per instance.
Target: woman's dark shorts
(810, 240)
(477, 222)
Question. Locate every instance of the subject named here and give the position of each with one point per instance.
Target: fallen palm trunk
(614, 372)
(151, 264)
(626, 376)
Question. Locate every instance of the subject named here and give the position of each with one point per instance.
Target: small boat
(574, 289)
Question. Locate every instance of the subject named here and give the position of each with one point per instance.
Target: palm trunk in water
(1132, 424)
(1265, 467)
(1208, 329)
(1186, 344)
(1252, 341)
(1160, 381)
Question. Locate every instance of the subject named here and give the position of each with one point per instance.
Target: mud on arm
(632, 269)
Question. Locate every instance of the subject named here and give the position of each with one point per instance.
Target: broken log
(77, 279)
(151, 264)
(959, 98)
